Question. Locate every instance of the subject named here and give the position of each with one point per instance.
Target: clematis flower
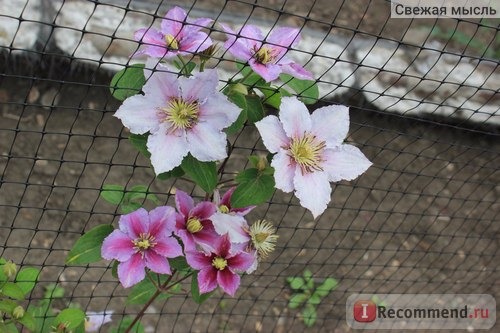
(266, 57)
(193, 225)
(184, 115)
(224, 204)
(310, 152)
(178, 36)
(219, 267)
(143, 240)
(94, 320)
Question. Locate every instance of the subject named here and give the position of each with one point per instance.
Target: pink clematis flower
(266, 58)
(310, 152)
(184, 115)
(220, 267)
(193, 225)
(224, 204)
(178, 36)
(143, 240)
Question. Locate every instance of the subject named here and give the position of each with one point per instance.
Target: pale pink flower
(266, 57)
(220, 267)
(94, 320)
(143, 240)
(193, 225)
(178, 36)
(310, 152)
(184, 115)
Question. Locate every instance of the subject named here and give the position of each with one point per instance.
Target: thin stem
(148, 274)
(184, 65)
(202, 65)
(157, 293)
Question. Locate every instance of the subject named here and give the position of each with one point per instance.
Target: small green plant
(15, 286)
(307, 294)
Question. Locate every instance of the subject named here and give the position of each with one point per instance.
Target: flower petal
(231, 224)
(345, 163)
(284, 36)
(228, 281)
(272, 133)
(199, 86)
(284, 171)
(187, 239)
(117, 246)
(295, 117)
(269, 72)
(207, 237)
(207, 280)
(203, 210)
(183, 202)
(240, 47)
(198, 260)
(140, 114)
(135, 223)
(218, 111)
(173, 21)
(296, 70)
(157, 263)
(331, 124)
(161, 86)
(150, 36)
(241, 261)
(132, 271)
(313, 190)
(161, 221)
(194, 42)
(167, 150)
(206, 143)
(168, 247)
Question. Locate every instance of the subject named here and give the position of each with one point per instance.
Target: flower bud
(240, 88)
(18, 312)
(262, 163)
(9, 269)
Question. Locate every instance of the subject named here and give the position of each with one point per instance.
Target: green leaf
(179, 263)
(53, 291)
(195, 291)
(307, 90)
(136, 192)
(186, 69)
(296, 282)
(114, 269)
(129, 207)
(255, 110)
(12, 290)
(175, 172)
(272, 96)
(128, 82)
(296, 300)
(87, 248)
(7, 305)
(328, 285)
(308, 278)
(8, 328)
(141, 292)
(239, 99)
(70, 318)
(309, 315)
(254, 188)
(315, 299)
(112, 193)
(28, 321)
(204, 174)
(125, 323)
(26, 279)
(139, 141)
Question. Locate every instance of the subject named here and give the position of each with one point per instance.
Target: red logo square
(365, 311)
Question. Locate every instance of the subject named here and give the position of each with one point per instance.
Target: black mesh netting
(423, 97)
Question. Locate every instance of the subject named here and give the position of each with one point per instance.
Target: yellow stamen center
(224, 209)
(264, 55)
(144, 242)
(180, 113)
(194, 225)
(219, 263)
(261, 237)
(172, 43)
(307, 151)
